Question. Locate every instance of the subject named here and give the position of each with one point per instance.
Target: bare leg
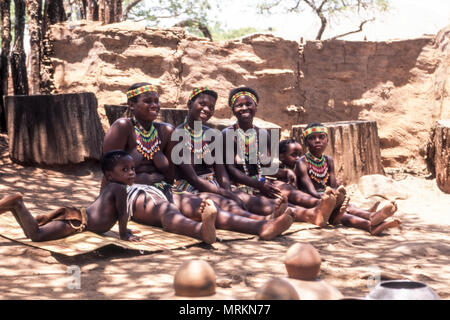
(385, 225)
(187, 202)
(265, 229)
(374, 207)
(199, 224)
(51, 231)
(320, 214)
(296, 196)
(259, 205)
(379, 216)
(339, 212)
(375, 217)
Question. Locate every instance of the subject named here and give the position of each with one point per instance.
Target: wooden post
(54, 129)
(438, 154)
(354, 147)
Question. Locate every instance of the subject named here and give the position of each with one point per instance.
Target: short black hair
(135, 86)
(284, 143)
(110, 159)
(236, 90)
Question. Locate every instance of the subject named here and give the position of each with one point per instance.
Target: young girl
(247, 176)
(315, 172)
(99, 217)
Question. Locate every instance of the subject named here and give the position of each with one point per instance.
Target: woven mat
(153, 238)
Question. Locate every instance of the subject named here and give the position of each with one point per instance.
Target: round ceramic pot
(402, 290)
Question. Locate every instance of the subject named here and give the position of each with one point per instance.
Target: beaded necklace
(317, 168)
(249, 143)
(196, 137)
(147, 141)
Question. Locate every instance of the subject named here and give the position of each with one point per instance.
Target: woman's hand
(269, 190)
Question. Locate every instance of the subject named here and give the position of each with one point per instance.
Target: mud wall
(403, 85)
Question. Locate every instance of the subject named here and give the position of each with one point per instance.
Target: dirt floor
(351, 258)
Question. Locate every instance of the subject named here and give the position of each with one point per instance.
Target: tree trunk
(83, 9)
(173, 116)
(53, 13)
(92, 13)
(101, 11)
(438, 154)
(354, 147)
(18, 58)
(5, 8)
(35, 28)
(54, 129)
(110, 10)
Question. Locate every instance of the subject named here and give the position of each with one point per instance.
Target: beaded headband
(314, 130)
(243, 93)
(141, 90)
(197, 91)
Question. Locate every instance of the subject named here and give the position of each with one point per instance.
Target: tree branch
(354, 31)
(190, 23)
(128, 8)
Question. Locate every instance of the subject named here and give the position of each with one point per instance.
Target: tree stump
(54, 129)
(173, 116)
(438, 154)
(354, 147)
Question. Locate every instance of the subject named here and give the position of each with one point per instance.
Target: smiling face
(244, 109)
(293, 152)
(147, 106)
(317, 142)
(123, 172)
(202, 108)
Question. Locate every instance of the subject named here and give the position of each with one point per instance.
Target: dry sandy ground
(350, 257)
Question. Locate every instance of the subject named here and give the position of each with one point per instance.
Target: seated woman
(148, 142)
(246, 175)
(315, 172)
(211, 181)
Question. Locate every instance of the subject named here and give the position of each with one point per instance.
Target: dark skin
(187, 215)
(201, 109)
(103, 213)
(369, 220)
(244, 109)
(317, 143)
(121, 136)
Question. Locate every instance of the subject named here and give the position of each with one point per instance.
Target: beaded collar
(196, 138)
(317, 168)
(148, 142)
(249, 144)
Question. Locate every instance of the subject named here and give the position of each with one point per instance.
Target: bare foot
(281, 205)
(9, 202)
(387, 211)
(374, 207)
(208, 211)
(322, 212)
(340, 195)
(339, 212)
(385, 225)
(277, 226)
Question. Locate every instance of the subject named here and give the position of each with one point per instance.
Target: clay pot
(302, 262)
(277, 289)
(315, 290)
(195, 278)
(402, 290)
